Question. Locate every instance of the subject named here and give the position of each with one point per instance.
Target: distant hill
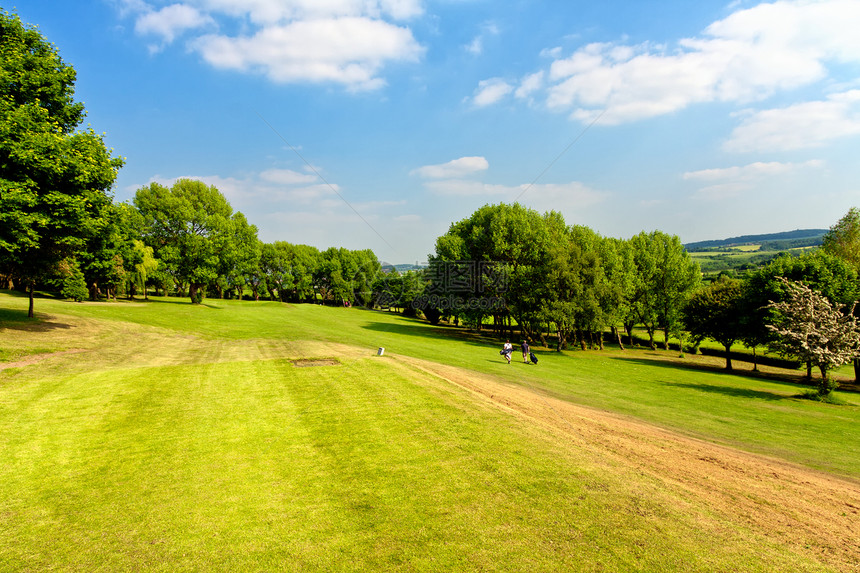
(768, 242)
(401, 268)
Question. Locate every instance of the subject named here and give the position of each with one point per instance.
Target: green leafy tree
(827, 274)
(365, 277)
(276, 267)
(55, 181)
(238, 252)
(814, 330)
(493, 263)
(620, 275)
(715, 312)
(109, 257)
(665, 277)
(843, 241)
(144, 267)
(72, 284)
(185, 225)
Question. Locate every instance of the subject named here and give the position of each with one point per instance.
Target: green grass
(183, 438)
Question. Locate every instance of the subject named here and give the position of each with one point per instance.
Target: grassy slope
(189, 442)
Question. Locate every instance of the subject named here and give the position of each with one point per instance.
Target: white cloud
(350, 51)
(491, 91)
(745, 57)
(342, 41)
(268, 12)
(453, 169)
(272, 189)
(529, 85)
(551, 52)
(286, 177)
(751, 171)
(171, 21)
(800, 126)
(476, 46)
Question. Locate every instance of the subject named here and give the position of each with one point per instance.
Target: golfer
(525, 347)
(508, 349)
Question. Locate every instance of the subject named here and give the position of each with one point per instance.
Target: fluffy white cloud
(748, 56)
(490, 91)
(343, 41)
(799, 126)
(171, 21)
(350, 51)
(453, 169)
(266, 12)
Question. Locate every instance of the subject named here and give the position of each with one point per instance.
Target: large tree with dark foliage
(187, 225)
(54, 179)
(715, 312)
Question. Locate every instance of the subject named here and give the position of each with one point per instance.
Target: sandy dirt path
(810, 511)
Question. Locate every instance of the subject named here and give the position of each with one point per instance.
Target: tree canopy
(188, 226)
(814, 330)
(55, 181)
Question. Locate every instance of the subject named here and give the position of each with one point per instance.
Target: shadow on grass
(796, 382)
(177, 301)
(732, 391)
(17, 319)
(415, 327)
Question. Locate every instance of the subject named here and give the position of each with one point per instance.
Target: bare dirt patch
(306, 362)
(811, 512)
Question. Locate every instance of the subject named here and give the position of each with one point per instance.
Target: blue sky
(377, 123)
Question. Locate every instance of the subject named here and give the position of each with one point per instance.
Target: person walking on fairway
(525, 347)
(508, 349)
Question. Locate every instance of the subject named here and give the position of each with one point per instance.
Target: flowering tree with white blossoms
(814, 330)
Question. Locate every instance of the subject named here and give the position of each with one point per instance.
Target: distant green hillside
(768, 242)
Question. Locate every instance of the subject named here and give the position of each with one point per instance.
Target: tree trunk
(809, 370)
(728, 356)
(617, 332)
(192, 292)
(755, 359)
(666, 338)
(857, 370)
(30, 290)
(651, 343)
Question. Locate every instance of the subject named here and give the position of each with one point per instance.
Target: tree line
(60, 228)
(505, 266)
(525, 273)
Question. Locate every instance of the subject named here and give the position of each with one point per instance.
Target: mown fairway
(162, 436)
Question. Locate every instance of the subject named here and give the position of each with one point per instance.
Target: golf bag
(532, 357)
